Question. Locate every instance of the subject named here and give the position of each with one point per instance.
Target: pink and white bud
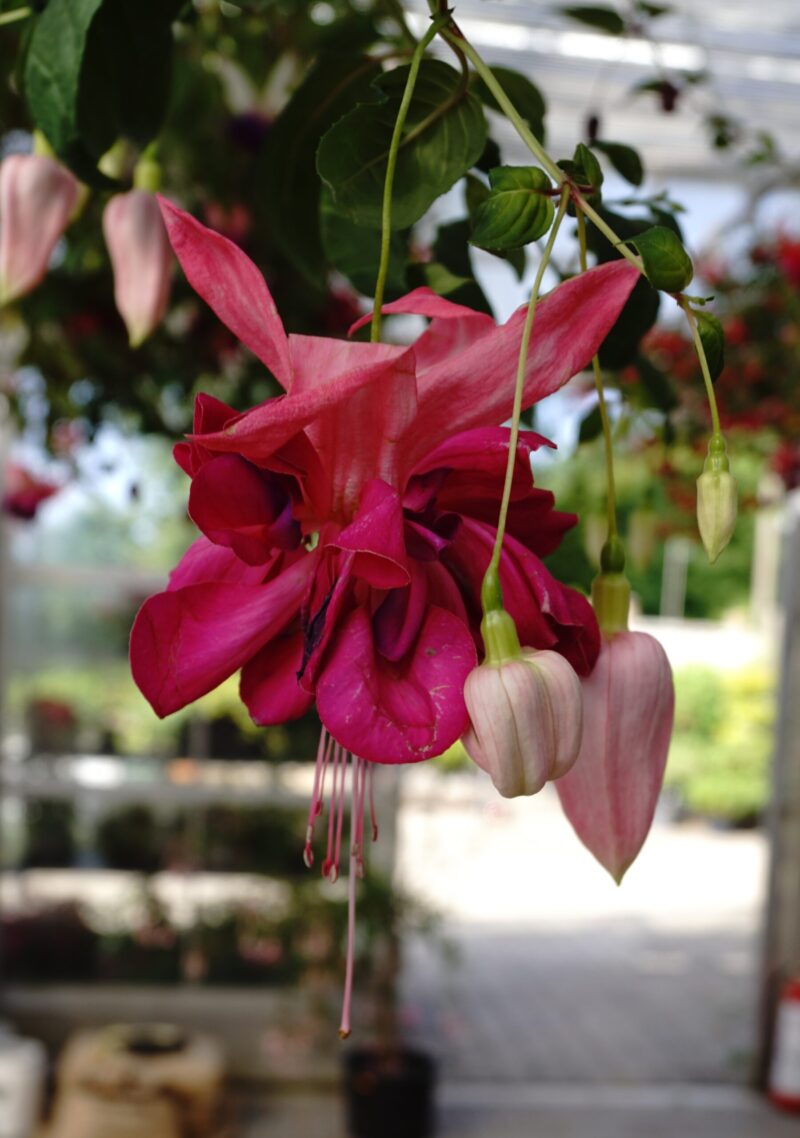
(38, 197)
(141, 257)
(610, 794)
(526, 720)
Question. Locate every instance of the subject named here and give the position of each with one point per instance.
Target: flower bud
(526, 720)
(141, 258)
(716, 500)
(38, 197)
(610, 794)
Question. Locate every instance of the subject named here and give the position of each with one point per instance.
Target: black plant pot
(389, 1094)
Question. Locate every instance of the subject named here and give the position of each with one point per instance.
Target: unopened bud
(716, 500)
(38, 197)
(526, 720)
(142, 260)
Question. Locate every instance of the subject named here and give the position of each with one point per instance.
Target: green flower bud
(716, 500)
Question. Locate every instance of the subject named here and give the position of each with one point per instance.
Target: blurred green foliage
(719, 761)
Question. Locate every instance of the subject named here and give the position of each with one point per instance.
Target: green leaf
(638, 316)
(653, 10)
(591, 426)
(525, 96)
(451, 249)
(477, 192)
(604, 19)
(657, 387)
(517, 211)
(624, 159)
(289, 202)
(444, 137)
(53, 70)
(713, 339)
(355, 251)
(96, 70)
(586, 163)
(667, 264)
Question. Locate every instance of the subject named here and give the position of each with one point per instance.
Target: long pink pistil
(331, 753)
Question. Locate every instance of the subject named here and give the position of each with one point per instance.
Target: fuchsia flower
(610, 794)
(348, 523)
(142, 261)
(38, 197)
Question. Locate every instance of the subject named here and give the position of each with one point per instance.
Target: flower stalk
(391, 165)
(491, 588)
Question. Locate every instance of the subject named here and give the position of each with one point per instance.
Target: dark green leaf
(525, 96)
(96, 70)
(286, 168)
(490, 157)
(624, 159)
(444, 137)
(713, 339)
(587, 166)
(653, 10)
(355, 251)
(517, 211)
(604, 19)
(476, 194)
(667, 264)
(657, 387)
(591, 426)
(638, 316)
(451, 249)
(53, 69)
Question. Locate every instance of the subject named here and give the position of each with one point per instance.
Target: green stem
(611, 491)
(701, 355)
(16, 14)
(607, 231)
(391, 165)
(492, 571)
(508, 108)
(459, 43)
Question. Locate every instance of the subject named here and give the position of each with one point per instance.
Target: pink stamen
(340, 813)
(344, 1027)
(332, 754)
(315, 809)
(373, 817)
(330, 868)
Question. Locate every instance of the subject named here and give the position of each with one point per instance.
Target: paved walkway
(559, 974)
(545, 1111)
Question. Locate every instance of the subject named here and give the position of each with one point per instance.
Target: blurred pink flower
(142, 261)
(610, 794)
(24, 492)
(37, 199)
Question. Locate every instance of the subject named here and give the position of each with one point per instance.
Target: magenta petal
(239, 506)
(397, 713)
(398, 619)
(425, 302)
(610, 794)
(203, 562)
(375, 536)
(474, 387)
(230, 283)
(186, 641)
(269, 687)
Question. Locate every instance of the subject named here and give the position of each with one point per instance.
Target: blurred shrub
(721, 751)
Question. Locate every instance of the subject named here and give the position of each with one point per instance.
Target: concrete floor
(546, 1111)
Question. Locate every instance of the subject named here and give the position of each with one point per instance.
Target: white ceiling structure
(750, 51)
